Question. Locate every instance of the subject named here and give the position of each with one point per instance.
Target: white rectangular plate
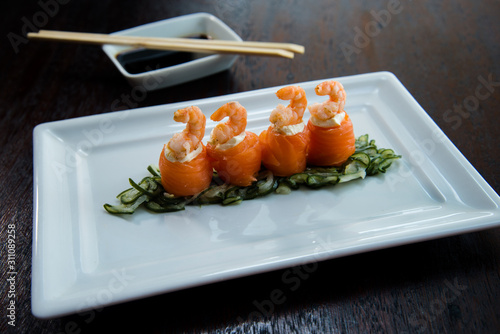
(84, 257)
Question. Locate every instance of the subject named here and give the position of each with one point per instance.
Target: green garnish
(367, 160)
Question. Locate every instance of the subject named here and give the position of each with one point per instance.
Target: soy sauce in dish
(144, 60)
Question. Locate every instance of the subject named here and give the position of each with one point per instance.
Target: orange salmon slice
(188, 178)
(331, 146)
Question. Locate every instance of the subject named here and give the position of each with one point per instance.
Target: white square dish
(182, 26)
(84, 257)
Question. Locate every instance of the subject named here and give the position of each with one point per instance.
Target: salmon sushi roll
(184, 165)
(284, 144)
(331, 133)
(234, 153)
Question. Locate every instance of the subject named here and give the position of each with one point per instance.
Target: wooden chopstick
(286, 50)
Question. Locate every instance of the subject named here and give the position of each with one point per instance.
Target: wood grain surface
(446, 53)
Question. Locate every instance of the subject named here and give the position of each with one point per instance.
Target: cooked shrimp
(188, 140)
(236, 124)
(292, 114)
(334, 105)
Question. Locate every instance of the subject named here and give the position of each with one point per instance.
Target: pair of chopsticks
(286, 50)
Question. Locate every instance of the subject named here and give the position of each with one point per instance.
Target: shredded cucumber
(368, 160)
(126, 208)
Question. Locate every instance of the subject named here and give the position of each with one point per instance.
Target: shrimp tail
(334, 90)
(293, 113)
(234, 126)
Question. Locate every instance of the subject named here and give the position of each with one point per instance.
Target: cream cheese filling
(290, 130)
(230, 143)
(170, 155)
(331, 122)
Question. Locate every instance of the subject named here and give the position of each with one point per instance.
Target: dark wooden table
(442, 51)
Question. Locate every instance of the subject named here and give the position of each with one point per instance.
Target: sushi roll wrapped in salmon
(332, 139)
(184, 165)
(284, 144)
(234, 153)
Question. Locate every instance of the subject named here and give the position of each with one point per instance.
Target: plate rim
(48, 309)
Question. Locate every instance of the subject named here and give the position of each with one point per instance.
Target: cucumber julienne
(367, 160)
